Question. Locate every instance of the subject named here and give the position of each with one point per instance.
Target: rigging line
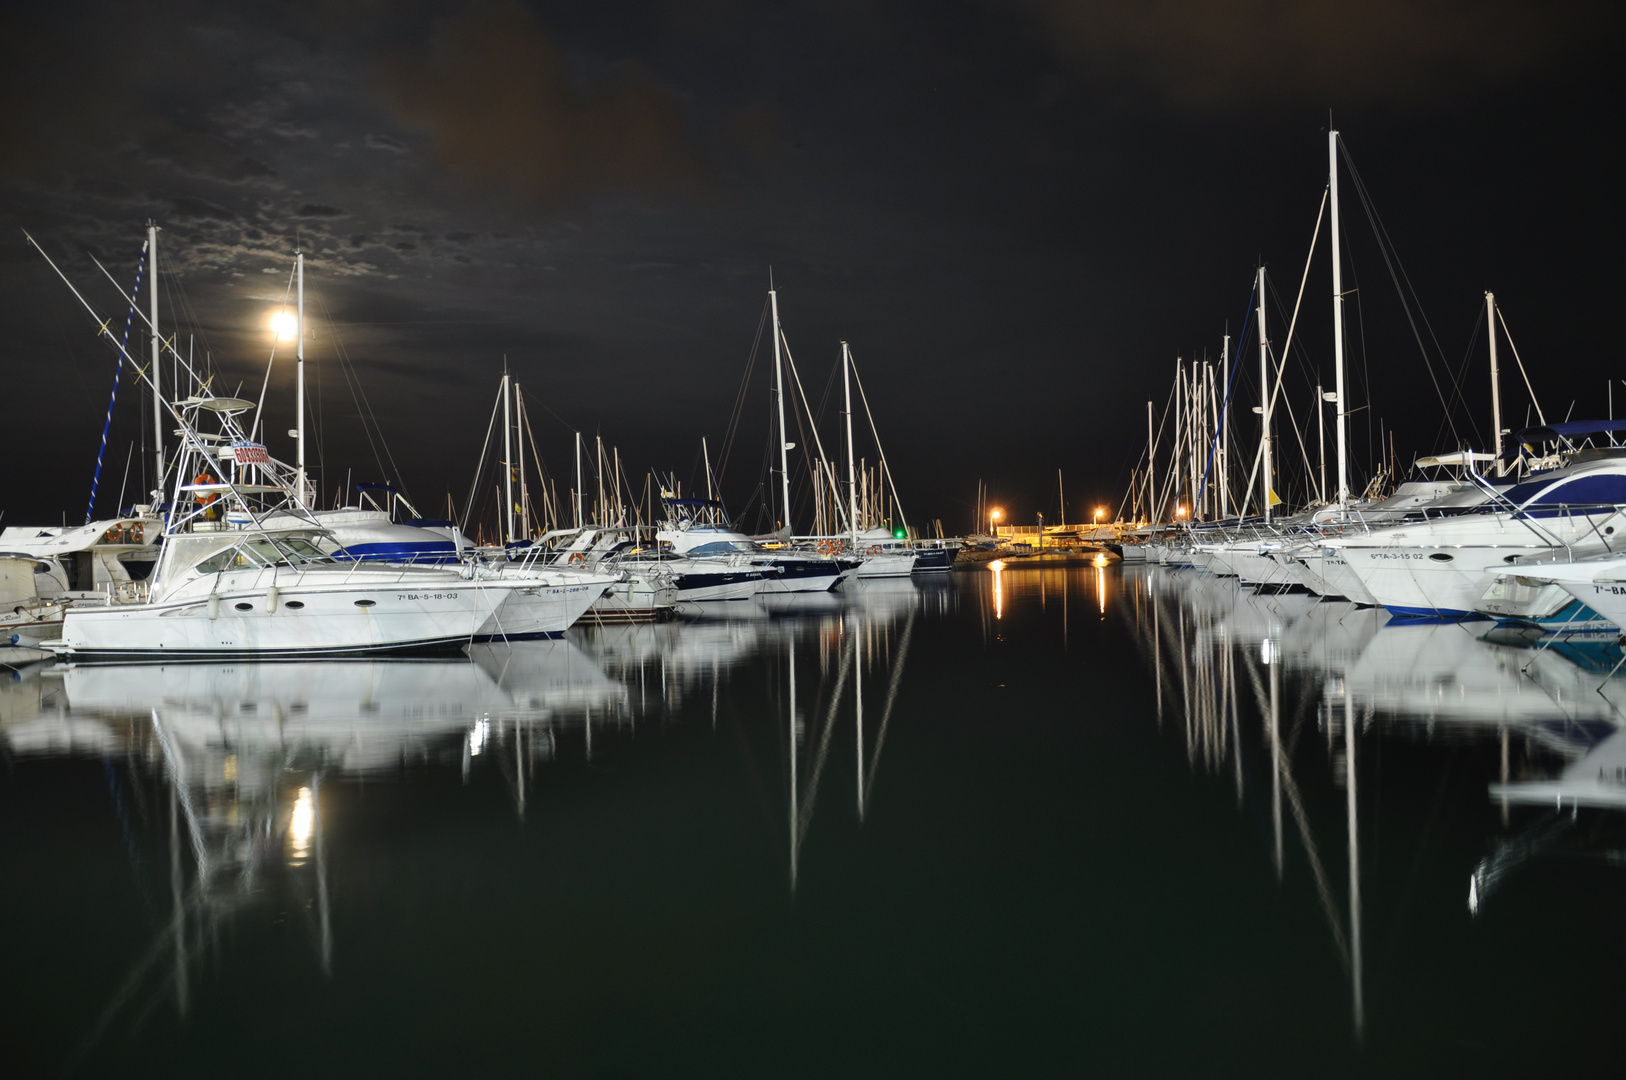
(259, 407)
(876, 435)
(1539, 415)
(118, 370)
(524, 392)
(737, 413)
(797, 378)
(1391, 260)
(1168, 407)
(344, 360)
(1225, 404)
(1462, 370)
(468, 506)
(1292, 326)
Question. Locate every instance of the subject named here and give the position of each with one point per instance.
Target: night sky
(1018, 214)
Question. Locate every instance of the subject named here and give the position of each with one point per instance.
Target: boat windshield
(262, 552)
(725, 547)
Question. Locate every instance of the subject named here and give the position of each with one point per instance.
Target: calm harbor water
(1087, 819)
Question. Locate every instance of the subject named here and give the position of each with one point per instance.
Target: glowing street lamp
(993, 520)
(1180, 511)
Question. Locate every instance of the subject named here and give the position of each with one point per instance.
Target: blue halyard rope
(95, 482)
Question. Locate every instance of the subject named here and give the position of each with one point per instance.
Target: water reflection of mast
(1354, 865)
(795, 833)
(858, 715)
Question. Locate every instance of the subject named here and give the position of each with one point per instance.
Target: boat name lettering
(426, 596)
(1398, 555)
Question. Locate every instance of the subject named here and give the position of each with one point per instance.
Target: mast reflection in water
(1033, 818)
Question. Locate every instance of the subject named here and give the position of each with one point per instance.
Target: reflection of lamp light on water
(477, 737)
(301, 823)
(997, 566)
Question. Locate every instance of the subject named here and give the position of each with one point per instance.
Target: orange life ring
(827, 547)
(873, 551)
(206, 499)
(578, 558)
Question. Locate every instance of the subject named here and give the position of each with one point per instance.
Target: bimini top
(1566, 432)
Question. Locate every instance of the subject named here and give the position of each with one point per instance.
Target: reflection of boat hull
(542, 610)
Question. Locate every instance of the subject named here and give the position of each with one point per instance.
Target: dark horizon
(1017, 215)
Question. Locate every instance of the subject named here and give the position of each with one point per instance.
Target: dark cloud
(1221, 53)
(375, 141)
(498, 101)
(319, 210)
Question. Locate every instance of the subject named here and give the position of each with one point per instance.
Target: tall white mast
(598, 467)
(1496, 383)
(706, 454)
(508, 453)
(299, 380)
(1213, 418)
(1264, 389)
(1321, 438)
(779, 396)
(1151, 467)
(157, 368)
(1175, 468)
(852, 482)
(1338, 324)
(524, 494)
(578, 479)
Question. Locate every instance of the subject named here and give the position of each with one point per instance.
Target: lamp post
(993, 520)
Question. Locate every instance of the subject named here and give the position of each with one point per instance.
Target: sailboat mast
(1337, 324)
(524, 495)
(1264, 390)
(1496, 384)
(1151, 467)
(779, 399)
(1321, 438)
(706, 454)
(157, 368)
(852, 483)
(1179, 429)
(508, 455)
(1061, 494)
(299, 380)
(1213, 420)
(578, 479)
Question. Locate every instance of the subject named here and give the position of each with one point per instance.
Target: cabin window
(366, 603)
(294, 605)
(244, 607)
